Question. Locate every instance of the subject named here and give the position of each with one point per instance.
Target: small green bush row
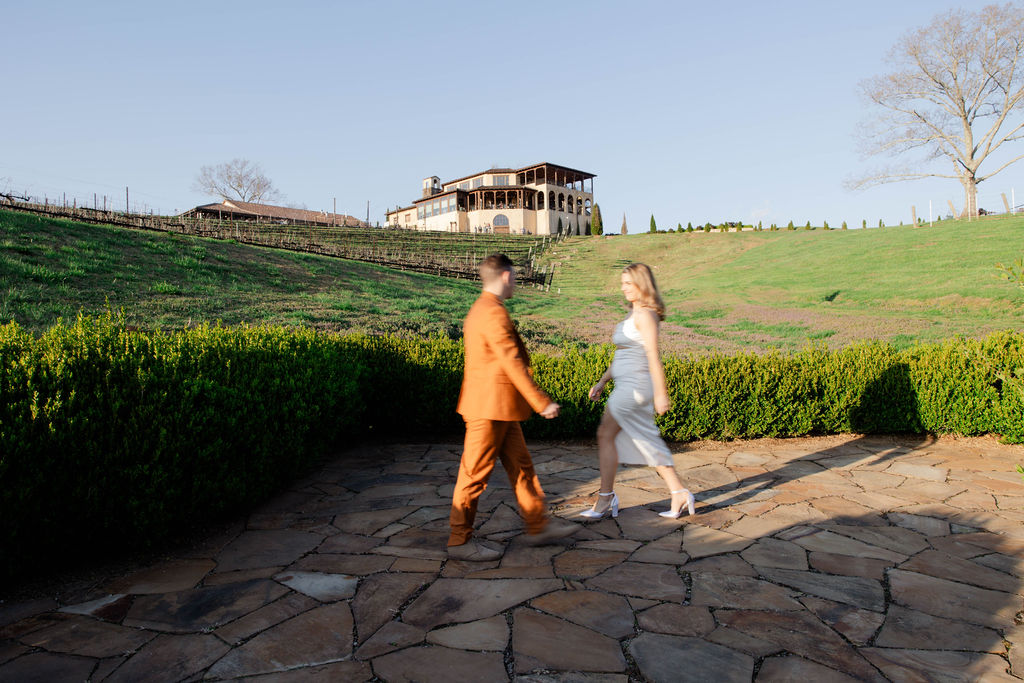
(111, 437)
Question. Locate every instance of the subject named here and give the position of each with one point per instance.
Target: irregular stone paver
(945, 566)
(171, 658)
(379, 598)
(109, 608)
(328, 673)
(584, 563)
(828, 542)
(433, 664)
(354, 565)
(319, 636)
(672, 658)
(780, 572)
(849, 566)
(802, 634)
(391, 636)
(902, 541)
(903, 628)
(265, 617)
(449, 601)
(742, 642)
(266, 548)
(322, 587)
(952, 600)
(202, 608)
(45, 667)
(544, 642)
(651, 581)
(165, 578)
(946, 667)
(790, 668)
(486, 634)
(88, 637)
(677, 620)
(774, 552)
(851, 590)
(699, 541)
(740, 592)
(855, 624)
(607, 614)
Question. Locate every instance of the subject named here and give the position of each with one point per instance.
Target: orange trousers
(487, 441)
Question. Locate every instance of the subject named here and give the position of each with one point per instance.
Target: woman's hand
(595, 391)
(662, 403)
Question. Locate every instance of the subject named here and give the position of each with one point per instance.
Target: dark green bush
(117, 438)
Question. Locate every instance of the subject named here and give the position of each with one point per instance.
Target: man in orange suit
(498, 392)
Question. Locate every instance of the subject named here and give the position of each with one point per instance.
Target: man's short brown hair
(493, 266)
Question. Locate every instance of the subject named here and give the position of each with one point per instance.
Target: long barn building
(533, 200)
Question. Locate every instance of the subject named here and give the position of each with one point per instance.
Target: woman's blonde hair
(643, 278)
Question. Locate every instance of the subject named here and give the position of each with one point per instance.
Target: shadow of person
(888, 405)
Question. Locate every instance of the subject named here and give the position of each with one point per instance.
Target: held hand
(551, 411)
(662, 404)
(595, 391)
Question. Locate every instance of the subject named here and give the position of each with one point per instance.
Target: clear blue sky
(690, 111)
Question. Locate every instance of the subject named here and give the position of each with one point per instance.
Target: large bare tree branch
(237, 179)
(956, 92)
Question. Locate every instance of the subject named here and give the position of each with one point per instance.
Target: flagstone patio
(821, 559)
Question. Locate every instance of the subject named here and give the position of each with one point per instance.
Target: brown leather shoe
(474, 551)
(555, 529)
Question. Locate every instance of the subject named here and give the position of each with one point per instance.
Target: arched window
(586, 207)
(540, 200)
(561, 202)
(500, 220)
(579, 205)
(551, 200)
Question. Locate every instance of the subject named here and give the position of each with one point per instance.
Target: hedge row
(114, 437)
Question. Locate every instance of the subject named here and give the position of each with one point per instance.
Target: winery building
(534, 200)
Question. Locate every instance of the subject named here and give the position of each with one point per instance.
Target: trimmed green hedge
(111, 437)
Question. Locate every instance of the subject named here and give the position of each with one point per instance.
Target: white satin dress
(632, 401)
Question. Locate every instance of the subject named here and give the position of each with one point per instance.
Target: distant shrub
(844, 225)
(689, 226)
(790, 226)
(825, 226)
(808, 226)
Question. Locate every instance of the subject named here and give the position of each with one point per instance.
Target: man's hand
(551, 410)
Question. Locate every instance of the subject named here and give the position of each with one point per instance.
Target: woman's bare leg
(674, 483)
(608, 458)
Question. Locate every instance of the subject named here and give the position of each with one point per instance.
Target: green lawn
(756, 290)
(54, 268)
(724, 291)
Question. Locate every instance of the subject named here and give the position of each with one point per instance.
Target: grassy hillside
(724, 291)
(54, 268)
(755, 290)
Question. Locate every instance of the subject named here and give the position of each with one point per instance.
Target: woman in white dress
(627, 433)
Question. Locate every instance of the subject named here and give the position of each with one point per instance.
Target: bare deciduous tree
(237, 179)
(955, 95)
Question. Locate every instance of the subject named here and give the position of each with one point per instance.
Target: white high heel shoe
(675, 514)
(613, 508)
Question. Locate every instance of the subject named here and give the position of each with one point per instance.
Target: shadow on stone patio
(824, 559)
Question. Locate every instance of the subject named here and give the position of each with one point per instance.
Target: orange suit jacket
(497, 383)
